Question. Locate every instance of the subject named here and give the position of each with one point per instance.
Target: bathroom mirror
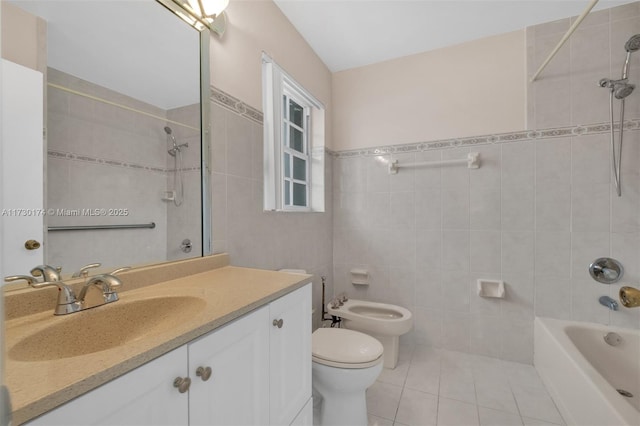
(123, 161)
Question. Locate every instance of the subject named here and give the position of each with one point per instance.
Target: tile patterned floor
(437, 387)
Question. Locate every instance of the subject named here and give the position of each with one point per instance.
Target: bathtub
(582, 372)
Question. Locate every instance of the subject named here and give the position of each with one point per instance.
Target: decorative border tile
(114, 163)
(521, 136)
(234, 104)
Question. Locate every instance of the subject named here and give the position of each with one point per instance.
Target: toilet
(344, 364)
(383, 321)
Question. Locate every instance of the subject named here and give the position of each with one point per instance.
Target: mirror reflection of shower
(176, 152)
(620, 89)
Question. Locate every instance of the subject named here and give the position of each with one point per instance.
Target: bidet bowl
(378, 318)
(383, 321)
(105, 327)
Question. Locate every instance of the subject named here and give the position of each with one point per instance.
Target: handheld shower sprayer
(620, 89)
(176, 147)
(632, 45)
(169, 133)
(176, 152)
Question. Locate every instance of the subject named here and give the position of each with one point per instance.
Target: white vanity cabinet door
(237, 393)
(144, 396)
(290, 353)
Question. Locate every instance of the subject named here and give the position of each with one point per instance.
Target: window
(293, 143)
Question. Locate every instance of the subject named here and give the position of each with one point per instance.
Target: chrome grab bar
(92, 227)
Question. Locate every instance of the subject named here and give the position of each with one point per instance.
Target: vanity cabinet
(255, 370)
(143, 396)
(260, 366)
(237, 391)
(290, 355)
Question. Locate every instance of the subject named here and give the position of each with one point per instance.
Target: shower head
(623, 90)
(633, 44)
(168, 130)
(619, 88)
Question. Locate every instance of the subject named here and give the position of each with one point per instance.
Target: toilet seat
(338, 347)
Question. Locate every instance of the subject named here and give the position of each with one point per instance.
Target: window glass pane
(295, 139)
(287, 193)
(287, 166)
(299, 194)
(295, 113)
(299, 169)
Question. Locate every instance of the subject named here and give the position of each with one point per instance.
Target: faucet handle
(84, 271)
(117, 271)
(115, 282)
(32, 281)
(629, 297)
(29, 279)
(67, 302)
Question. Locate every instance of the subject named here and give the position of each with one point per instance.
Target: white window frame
(277, 84)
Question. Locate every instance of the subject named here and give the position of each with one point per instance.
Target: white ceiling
(135, 47)
(352, 33)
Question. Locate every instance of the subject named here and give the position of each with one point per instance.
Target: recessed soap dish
(359, 276)
(491, 288)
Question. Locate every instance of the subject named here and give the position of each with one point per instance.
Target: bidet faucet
(48, 273)
(66, 303)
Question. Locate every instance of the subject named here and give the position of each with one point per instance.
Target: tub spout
(630, 297)
(608, 302)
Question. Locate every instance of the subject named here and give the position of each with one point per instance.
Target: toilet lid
(341, 346)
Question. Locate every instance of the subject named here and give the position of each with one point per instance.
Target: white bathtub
(582, 371)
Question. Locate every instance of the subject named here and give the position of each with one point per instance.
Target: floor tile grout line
(441, 357)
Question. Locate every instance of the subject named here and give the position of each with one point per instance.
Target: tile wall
(104, 157)
(539, 209)
(185, 221)
(240, 227)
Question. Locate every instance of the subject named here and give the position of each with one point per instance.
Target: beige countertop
(228, 292)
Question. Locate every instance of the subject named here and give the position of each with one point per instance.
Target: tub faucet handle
(630, 297)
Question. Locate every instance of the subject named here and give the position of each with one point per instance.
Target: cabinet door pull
(204, 373)
(182, 383)
(278, 323)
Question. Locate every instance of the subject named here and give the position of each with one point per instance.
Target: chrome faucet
(608, 302)
(67, 302)
(48, 273)
(108, 284)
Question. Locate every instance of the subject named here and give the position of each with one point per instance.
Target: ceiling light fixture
(208, 9)
(206, 12)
